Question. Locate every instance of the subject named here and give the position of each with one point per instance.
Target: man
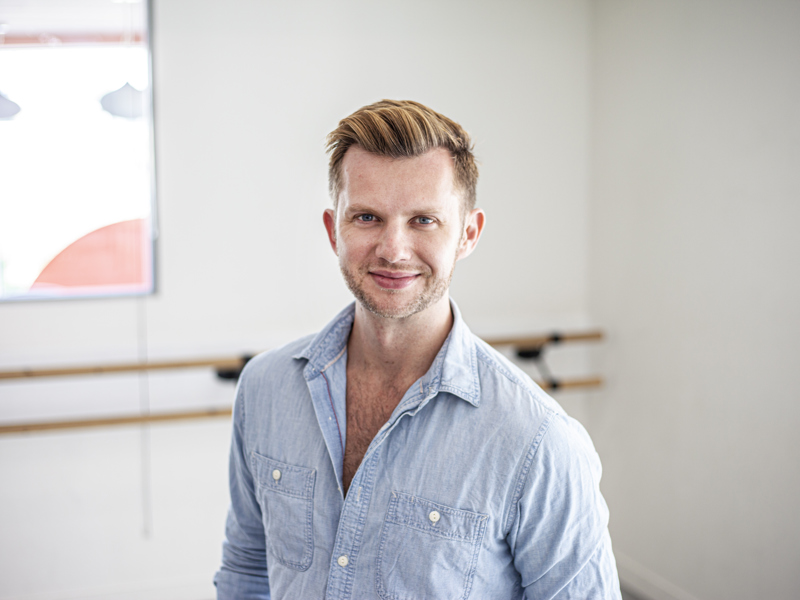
(395, 455)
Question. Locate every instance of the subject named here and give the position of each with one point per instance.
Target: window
(77, 191)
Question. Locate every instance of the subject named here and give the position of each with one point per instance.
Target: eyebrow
(359, 208)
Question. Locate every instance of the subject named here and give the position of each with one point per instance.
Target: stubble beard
(432, 291)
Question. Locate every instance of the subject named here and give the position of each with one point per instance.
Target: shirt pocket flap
(283, 478)
(435, 519)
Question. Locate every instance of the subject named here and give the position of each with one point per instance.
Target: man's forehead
(357, 159)
(364, 170)
(370, 179)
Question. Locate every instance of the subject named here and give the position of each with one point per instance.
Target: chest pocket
(286, 496)
(427, 550)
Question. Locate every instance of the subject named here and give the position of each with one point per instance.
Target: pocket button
(276, 474)
(434, 516)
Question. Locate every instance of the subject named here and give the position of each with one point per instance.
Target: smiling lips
(393, 280)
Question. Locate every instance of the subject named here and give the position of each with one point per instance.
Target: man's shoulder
(510, 393)
(276, 362)
(501, 379)
(269, 383)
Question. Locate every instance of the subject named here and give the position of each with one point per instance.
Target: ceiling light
(127, 102)
(8, 108)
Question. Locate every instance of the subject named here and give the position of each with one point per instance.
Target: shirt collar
(454, 370)
(328, 344)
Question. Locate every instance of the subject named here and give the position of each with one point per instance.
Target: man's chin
(389, 309)
(397, 304)
(394, 303)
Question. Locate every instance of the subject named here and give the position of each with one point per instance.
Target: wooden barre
(236, 363)
(220, 363)
(209, 413)
(537, 341)
(109, 421)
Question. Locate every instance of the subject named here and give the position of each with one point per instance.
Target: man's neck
(398, 348)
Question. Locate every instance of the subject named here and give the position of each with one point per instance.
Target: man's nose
(394, 243)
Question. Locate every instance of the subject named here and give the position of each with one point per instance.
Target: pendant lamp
(126, 102)
(8, 108)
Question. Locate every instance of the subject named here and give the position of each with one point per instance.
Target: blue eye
(366, 218)
(424, 220)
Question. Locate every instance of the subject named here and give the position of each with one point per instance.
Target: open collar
(454, 370)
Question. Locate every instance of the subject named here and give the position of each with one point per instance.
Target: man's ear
(473, 227)
(329, 218)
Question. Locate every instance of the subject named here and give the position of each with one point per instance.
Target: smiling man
(395, 455)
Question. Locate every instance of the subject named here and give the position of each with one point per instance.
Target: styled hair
(402, 129)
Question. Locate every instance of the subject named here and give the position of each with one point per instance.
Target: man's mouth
(393, 280)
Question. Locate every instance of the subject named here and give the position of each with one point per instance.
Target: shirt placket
(328, 423)
(353, 518)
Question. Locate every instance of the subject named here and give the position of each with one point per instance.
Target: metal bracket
(233, 374)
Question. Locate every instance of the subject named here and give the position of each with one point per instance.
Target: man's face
(398, 230)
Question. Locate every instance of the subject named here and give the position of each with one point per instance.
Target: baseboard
(646, 584)
(197, 588)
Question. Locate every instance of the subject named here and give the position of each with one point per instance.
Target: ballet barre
(523, 345)
(526, 348)
(154, 418)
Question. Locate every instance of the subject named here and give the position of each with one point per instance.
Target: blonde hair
(402, 129)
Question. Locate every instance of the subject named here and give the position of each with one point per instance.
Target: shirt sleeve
(559, 533)
(243, 575)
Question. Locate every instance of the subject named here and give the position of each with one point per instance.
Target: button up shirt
(478, 486)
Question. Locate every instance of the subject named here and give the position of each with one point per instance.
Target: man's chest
(421, 497)
(370, 404)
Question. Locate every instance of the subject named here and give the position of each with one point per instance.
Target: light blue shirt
(478, 486)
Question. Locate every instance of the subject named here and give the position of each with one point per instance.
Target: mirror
(77, 176)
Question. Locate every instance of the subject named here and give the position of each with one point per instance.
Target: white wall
(694, 271)
(639, 170)
(246, 91)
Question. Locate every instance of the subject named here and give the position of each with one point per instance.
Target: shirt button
(342, 560)
(434, 516)
(276, 474)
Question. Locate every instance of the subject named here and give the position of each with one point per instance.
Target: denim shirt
(478, 486)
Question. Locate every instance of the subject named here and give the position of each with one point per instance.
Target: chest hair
(370, 403)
